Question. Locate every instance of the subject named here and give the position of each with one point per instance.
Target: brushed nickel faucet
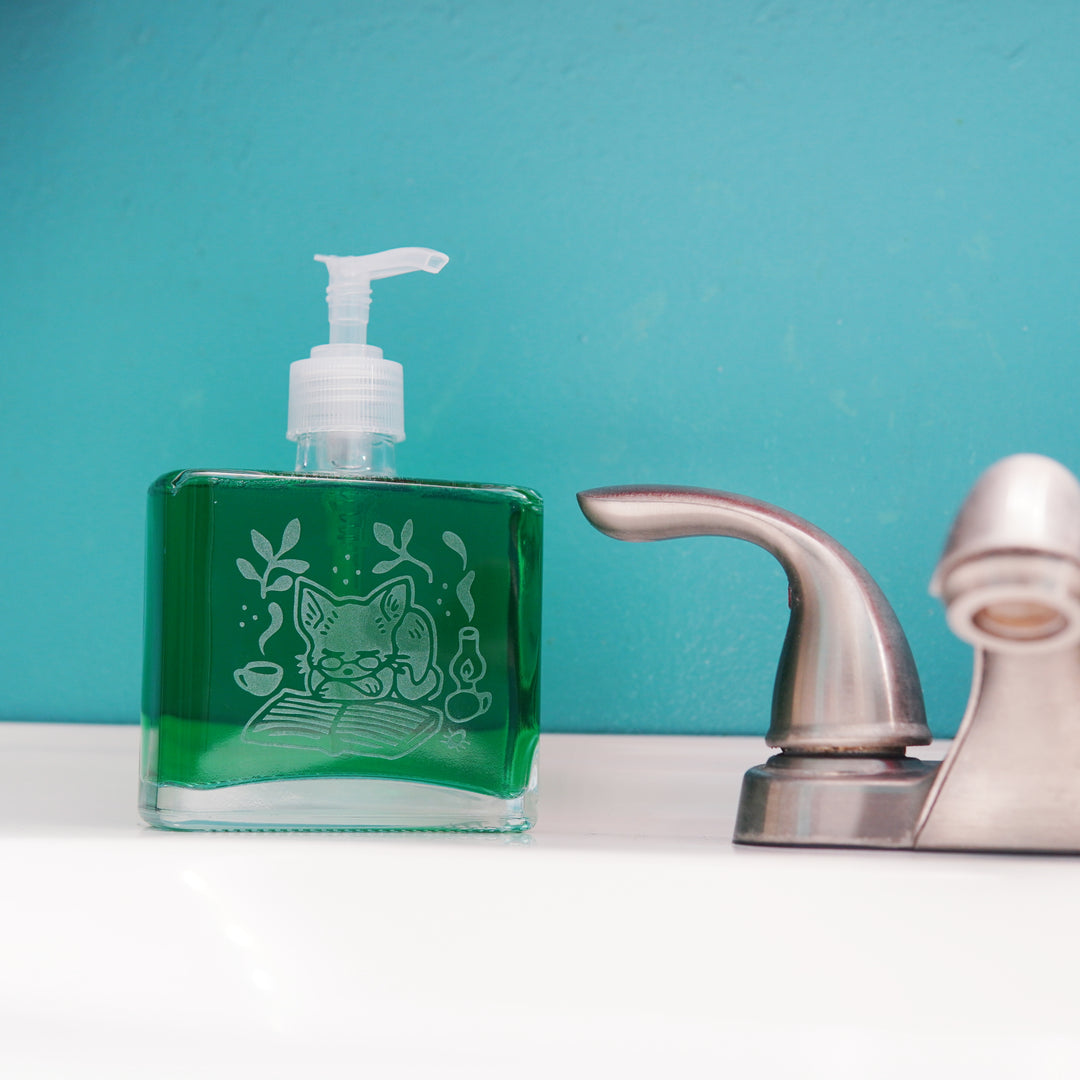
(847, 701)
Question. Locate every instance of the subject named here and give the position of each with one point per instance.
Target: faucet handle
(846, 681)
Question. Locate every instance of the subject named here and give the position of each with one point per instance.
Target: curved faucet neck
(846, 680)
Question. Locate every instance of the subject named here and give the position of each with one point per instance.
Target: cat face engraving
(366, 648)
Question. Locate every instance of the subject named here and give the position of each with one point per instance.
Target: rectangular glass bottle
(332, 652)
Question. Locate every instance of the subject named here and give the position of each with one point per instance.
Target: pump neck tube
(346, 453)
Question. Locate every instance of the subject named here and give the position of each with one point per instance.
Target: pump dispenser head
(347, 386)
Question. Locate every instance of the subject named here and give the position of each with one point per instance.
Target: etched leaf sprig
(274, 560)
(385, 535)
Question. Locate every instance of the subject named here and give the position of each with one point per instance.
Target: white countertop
(624, 936)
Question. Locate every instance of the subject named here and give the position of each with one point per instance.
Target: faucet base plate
(834, 800)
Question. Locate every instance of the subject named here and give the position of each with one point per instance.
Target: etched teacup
(260, 677)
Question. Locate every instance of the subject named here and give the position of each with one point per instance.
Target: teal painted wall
(824, 254)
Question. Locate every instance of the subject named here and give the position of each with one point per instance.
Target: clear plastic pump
(347, 387)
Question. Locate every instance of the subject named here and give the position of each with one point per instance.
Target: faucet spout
(1010, 581)
(846, 681)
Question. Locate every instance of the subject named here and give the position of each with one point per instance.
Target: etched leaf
(385, 535)
(385, 566)
(247, 569)
(464, 594)
(280, 584)
(290, 536)
(406, 533)
(295, 566)
(455, 543)
(276, 620)
(262, 545)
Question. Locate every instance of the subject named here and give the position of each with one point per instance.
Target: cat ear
(395, 602)
(312, 608)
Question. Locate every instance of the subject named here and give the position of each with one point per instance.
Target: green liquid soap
(339, 653)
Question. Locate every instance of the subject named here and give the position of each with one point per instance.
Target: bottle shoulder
(173, 482)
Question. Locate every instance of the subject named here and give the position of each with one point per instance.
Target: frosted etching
(262, 677)
(371, 683)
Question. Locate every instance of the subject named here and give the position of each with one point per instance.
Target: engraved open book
(383, 729)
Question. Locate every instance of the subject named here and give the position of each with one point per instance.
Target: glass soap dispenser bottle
(337, 648)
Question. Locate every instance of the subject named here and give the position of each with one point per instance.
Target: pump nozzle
(347, 387)
(349, 293)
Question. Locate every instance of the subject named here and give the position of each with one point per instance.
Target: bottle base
(354, 804)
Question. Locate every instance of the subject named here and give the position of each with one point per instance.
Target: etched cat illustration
(367, 648)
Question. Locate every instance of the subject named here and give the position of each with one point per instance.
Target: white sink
(625, 936)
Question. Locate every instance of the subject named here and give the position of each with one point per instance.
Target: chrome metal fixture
(847, 701)
(1010, 581)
